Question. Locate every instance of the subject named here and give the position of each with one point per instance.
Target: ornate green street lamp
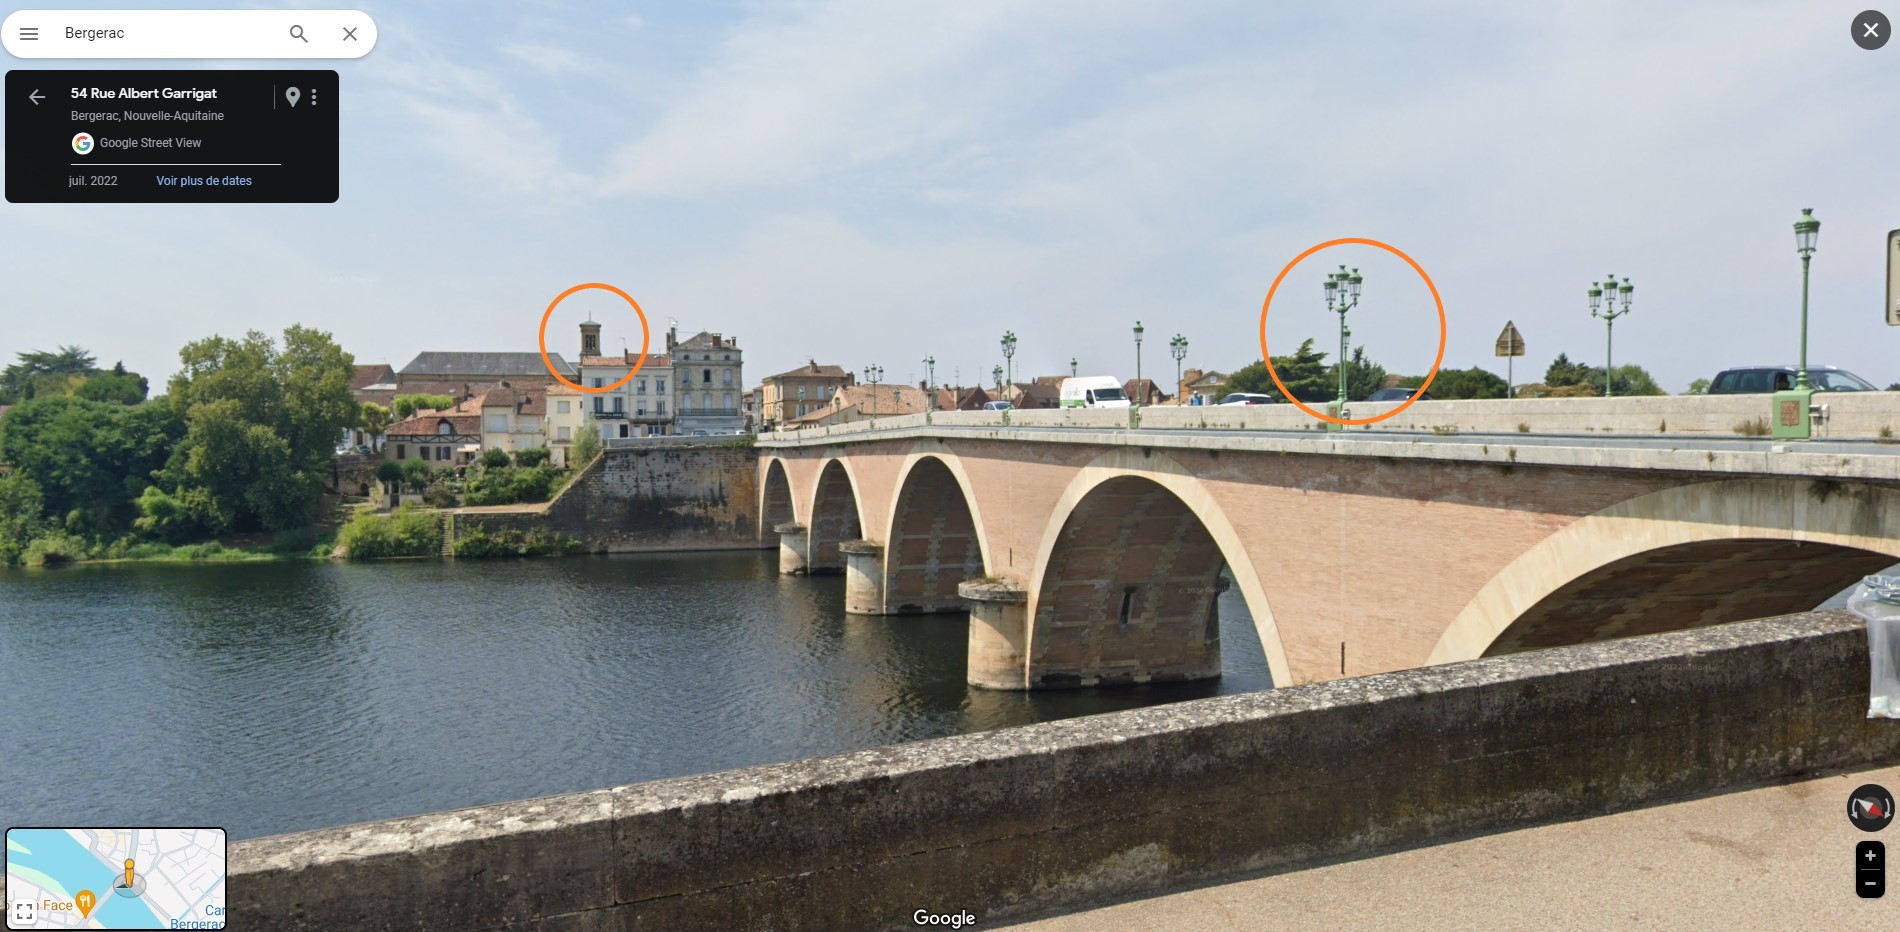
(1604, 296)
(1793, 414)
(874, 374)
(1342, 295)
(1178, 348)
(1138, 390)
(1009, 354)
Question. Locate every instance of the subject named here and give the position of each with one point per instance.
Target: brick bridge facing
(1089, 558)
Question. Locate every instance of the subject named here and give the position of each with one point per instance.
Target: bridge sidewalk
(1772, 858)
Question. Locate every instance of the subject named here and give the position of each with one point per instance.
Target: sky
(864, 182)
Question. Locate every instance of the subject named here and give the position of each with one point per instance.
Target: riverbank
(66, 550)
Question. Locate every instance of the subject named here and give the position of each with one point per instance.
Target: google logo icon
(82, 143)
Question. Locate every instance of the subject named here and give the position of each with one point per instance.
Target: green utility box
(1791, 415)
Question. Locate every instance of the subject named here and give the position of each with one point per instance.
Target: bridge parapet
(1849, 415)
(1020, 820)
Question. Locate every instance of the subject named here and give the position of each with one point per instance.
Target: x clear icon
(1871, 29)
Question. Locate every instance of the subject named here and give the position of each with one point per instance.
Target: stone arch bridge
(1090, 553)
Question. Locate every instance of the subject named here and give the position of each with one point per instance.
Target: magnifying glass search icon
(296, 32)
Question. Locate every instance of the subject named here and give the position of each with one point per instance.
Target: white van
(1093, 391)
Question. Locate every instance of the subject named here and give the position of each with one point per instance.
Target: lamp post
(1178, 348)
(1793, 415)
(874, 374)
(1072, 367)
(1604, 296)
(930, 382)
(1009, 354)
(1342, 295)
(1138, 332)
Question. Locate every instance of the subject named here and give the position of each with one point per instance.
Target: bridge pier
(863, 577)
(999, 633)
(792, 541)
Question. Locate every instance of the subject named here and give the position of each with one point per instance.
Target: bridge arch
(935, 537)
(1127, 575)
(775, 497)
(1682, 557)
(834, 516)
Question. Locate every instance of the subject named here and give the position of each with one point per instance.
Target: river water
(276, 697)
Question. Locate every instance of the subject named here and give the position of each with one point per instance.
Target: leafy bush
(508, 542)
(509, 486)
(20, 517)
(495, 459)
(53, 550)
(531, 457)
(415, 473)
(440, 496)
(407, 533)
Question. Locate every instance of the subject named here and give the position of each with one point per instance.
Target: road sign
(1511, 343)
(1893, 279)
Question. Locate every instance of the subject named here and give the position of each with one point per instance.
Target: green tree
(416, 473)
(22, 515)
(90, 460)
(1698, 387)
(531, 457)
(115, 386)
(586, 446)
(495, 459)
(1564, 372)
(22, 380)
(1455, 384)
(1635, 380)
(262, 424)
(406, 406)
(373, 419)
(1305, 373)
(389, 473)
(1363, 376)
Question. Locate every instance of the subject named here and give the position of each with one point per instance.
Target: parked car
(1397, 394)
(1247, 398)
(1753, 380)
(997, 406)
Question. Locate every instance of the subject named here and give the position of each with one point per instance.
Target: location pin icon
(292, 95)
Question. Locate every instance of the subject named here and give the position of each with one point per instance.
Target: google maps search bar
(188, 34)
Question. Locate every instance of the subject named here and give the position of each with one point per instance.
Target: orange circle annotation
(1268, 357)
(646, 334)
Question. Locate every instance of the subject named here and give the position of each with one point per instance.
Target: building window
(617, 405)
(561, 434)
(728, 376)
(686, 404)
(444, 429)
(623, 430)
(598, 404)
(705, 401)
(498, 423)
(643, 386)
(560, 407)
(596, 381)
(442, 453)
(659, 386)
(727, 357)
(661, 409)
(728, 401)
(402, 451)
(705, 375)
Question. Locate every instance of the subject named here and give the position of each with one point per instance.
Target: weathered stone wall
(685, 496)
(1021, 820)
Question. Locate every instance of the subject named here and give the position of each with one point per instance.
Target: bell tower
(590, 338)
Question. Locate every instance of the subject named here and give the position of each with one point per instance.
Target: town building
(565, 419)
(1144, 392)
(1037, 394)
(791, 395)
(961, 399)
(1207, 386)
(514, 418)
(371, 383)
(709, 370)
(506, 418)
(642, 405)
(460, 375)
(860, 402)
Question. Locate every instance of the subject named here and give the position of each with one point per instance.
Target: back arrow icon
(34, 97)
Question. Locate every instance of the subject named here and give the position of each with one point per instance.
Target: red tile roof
(429, 425)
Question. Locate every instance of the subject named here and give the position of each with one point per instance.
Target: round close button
(1871, 29)
(1870, 808)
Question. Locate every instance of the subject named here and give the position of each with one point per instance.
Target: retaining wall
(1021, 820)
